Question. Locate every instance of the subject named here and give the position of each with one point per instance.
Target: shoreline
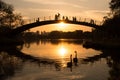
(102, 44)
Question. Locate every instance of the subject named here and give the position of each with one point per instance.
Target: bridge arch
(41, 23)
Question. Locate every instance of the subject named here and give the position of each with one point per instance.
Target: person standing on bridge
(66, 18)
(74, 19)
(57, 16)
(63, 18)
(38, 19)
(92, 21)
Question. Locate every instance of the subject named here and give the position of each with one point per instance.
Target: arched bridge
(90, 23)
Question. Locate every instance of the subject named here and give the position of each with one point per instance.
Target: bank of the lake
(102, 44)
(10, 41)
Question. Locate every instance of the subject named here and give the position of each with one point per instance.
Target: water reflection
(12, 61)
(8, 63)
(50, 61)
(62, 49)
(112, 60)
(65, 50)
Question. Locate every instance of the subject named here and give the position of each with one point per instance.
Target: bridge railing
(70, 18)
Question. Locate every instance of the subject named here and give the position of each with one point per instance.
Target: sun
(62, 25)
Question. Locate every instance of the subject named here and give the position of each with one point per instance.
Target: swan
(69, 64)
(75, 59)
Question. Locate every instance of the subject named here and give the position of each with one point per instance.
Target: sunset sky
(31, 9)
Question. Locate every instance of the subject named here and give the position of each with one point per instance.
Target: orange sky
(30, 9)
(65, 28)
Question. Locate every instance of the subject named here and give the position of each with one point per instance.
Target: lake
(51, 58)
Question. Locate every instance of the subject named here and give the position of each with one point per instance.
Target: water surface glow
(62, 51)
(51, 62)
(53, 51)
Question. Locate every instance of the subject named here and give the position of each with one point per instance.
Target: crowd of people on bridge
(58, 17)
(65, 18)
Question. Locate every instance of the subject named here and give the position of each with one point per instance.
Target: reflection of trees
(12, 60)
(94, 58)
(57, 41)
(9, 62)
(113, 62)
(53, 41)
(8, 65)
(31, 37)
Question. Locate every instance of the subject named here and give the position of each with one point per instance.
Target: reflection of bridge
(36, 23)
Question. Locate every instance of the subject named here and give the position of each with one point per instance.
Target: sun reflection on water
(62, 51)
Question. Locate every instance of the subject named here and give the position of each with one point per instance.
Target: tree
(7, 16)
(112, 22)
(115, 7)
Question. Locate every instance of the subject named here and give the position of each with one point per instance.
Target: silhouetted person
(92, 21)
(74, 19)
(38, 19)
(66, 18)
(63, 18)
(56, 17)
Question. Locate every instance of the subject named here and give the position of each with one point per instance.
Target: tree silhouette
(8, 19)
(111, 23)
(7, 16)
(115, 7)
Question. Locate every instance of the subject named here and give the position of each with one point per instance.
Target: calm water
(49, 62)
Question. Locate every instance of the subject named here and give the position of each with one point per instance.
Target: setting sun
(62, 25)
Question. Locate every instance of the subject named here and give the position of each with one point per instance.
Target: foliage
(7, 16)
(77, 34)
(115, 7)
(111, 23)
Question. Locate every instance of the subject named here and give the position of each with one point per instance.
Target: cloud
(38, 12)
(82, 8)
(45, 1)
(96, 14)
(56, 3)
